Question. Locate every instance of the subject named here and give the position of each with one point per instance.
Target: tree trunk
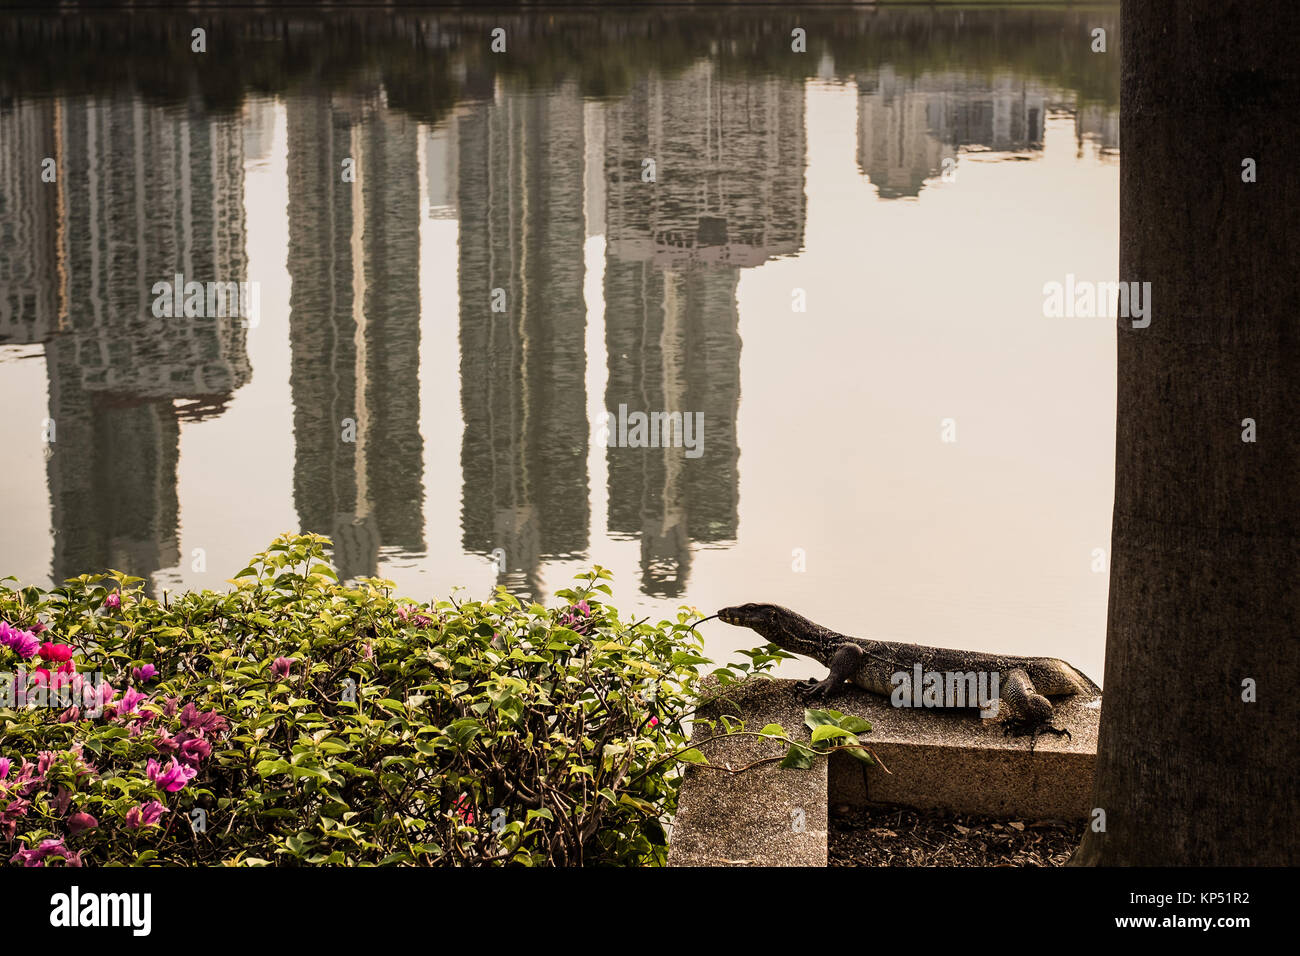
(1204, 569)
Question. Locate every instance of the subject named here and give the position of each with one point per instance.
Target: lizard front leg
(843, 664)
(1031, 712)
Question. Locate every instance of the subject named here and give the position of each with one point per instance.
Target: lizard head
(779, 625)
(760, 617)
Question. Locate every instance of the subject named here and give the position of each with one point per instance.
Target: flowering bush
(297, 720)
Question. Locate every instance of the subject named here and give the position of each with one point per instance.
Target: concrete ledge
(773, 817)
(763, 817)
(955, 761)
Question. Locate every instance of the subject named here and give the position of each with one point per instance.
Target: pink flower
(55, 652)
(23, 643)
(5, 764)
(143, 674)
(145, 815)
(195, 750)
(44, 761)
(209, 721)
(62, 800)
(14, 810)
(280, 669)
(654, 721)
(409, 613)
(101, 695)
(26, 783)
(170, 778)
(113, 600)
(131, 699)
(463, 809)
(577, 618)
(48, 848)
(70, 716)
(80, 822)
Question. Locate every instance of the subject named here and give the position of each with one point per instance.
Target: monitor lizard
(1023, 683)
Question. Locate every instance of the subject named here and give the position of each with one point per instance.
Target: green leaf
(798, 759)
(861, 754)
(692, 756)
(855, 725)
(267, 768)
(775, 730)
(643, 805)
(816, 718)
(827, 731)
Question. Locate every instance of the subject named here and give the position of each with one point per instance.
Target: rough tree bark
(1204, 569)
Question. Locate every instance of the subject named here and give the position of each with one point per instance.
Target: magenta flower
(280, 668)
(5, 764)
(102, 694)
(408, 613)
(577, 617)
(62, 800)
(55, 652)
(39, 627)
(170, 778)
(70, 716)
(44, 761)
(14, 810)
(80, 822)
(32, 857)
(464, 810)
(23, 643)
(131, 699)
(63, 676)
(145, 815)
(195, 750)
(209, 721)
(48, 848)
(26, 783)
(113, 600)
(143, 674)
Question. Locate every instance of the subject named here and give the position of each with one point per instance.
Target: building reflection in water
(910, 129)
(729, 159)
(529, 167)
(523, 365)
(354, 326)
(142, 193)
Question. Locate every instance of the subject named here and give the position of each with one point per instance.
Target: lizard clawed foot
(1033, 730)
(816, 690)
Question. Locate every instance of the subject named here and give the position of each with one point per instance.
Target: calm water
(911, 181)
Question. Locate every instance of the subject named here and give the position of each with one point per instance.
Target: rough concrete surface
(952, 761)
(764, 817)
